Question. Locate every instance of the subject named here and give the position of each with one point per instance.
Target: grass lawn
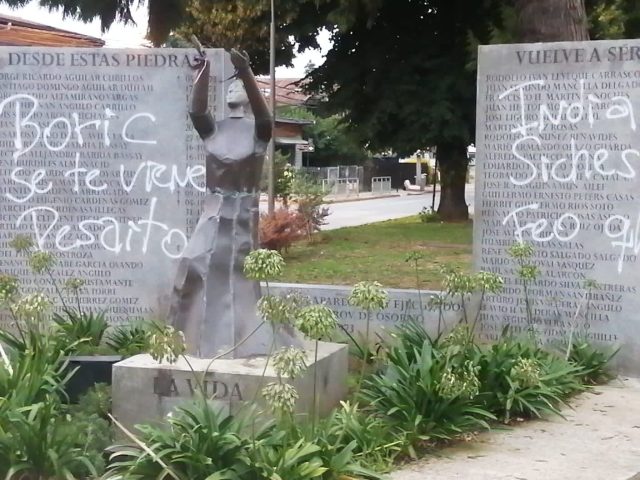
(378, 251)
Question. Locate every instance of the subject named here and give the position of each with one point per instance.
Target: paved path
(599, 440)
(350, 214)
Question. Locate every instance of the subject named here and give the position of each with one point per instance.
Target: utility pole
(272, 145)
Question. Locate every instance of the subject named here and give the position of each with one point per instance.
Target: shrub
(428, 215)
(279, 230)
(37, 437)
(309, 197)
(427, 391)
(128, 340)
(369, 439)
(518, 378)
(202, 443)
(199, 443)
(592, 361)
(82, 331)
(313, 214)
(37, 443)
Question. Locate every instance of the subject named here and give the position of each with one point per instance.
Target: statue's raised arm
(201, 117)
(261, 113)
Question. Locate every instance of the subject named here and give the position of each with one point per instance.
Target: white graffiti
(153, 172)
(144, 234)
(565, 228)
(565, 112)
(24, 123)
(618, 228)
(579, 160)
(533, 117)
(114, 235)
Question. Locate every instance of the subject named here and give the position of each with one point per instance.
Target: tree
(551, 20)
(334, 143)
(605, 19)
(400, 77)
(245, 25)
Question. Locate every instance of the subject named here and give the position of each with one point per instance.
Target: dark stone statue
(214, 304)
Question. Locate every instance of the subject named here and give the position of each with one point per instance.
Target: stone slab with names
(557, 163)
(99, 163)
(404, 306)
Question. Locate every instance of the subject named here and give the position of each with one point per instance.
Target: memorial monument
(213, 303)
(557, 162)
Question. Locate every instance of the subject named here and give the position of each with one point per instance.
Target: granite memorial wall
(557, 166)
(403, 306)
(99, 163)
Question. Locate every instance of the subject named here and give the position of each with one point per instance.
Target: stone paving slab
(598, 440)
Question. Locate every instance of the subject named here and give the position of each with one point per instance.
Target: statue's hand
(200, 58)
(199, 61)
(239, 60)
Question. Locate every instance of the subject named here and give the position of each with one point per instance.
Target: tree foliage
(245, 25)
(334, 143)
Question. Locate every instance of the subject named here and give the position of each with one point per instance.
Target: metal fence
(380, 184)
(341, 186)
(341, 180)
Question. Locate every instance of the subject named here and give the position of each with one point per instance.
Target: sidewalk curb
(360, 199)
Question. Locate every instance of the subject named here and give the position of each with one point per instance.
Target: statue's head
(236, 94)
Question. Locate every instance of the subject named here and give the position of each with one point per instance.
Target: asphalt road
(351, 214)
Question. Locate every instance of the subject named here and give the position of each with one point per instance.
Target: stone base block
(145, 391)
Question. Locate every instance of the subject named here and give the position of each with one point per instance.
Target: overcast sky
(121, 36)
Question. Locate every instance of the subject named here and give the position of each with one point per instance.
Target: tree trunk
(452, 160)
(551, 20)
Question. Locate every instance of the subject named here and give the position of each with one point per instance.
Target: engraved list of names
(99, 164)
(558, 167)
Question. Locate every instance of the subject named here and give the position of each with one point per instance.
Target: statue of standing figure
(214, 304)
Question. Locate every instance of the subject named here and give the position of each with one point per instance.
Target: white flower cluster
(281, 397)
(167, 345)
(74, 284)
(489, 282)
(42, 261)
(21, 243)
(289, 362)
(8, 288)
(458, 283)
(263, 264)
(461, 382)
(526, 372)
(276, 310)
(520, 251)
(32, 306)
(316, 321)
(369, 296)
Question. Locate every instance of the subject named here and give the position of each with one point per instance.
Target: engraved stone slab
(146, 392)
(558, 157)
(99, 163)
(404, 306)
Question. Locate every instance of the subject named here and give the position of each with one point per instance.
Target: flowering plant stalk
(521, 253)
(369, 296)
(40, 261)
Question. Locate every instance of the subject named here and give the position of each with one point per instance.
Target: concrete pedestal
(145, 391)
